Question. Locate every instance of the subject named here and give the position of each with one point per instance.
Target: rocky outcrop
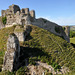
(27, 29)
(52, 27)
(12, 54)
(22, 33)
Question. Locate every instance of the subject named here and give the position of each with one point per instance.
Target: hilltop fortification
(17, 16)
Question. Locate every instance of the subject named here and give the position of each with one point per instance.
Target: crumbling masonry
(16, 16)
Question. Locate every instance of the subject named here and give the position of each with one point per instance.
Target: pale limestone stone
(20, 33)
(12, 54)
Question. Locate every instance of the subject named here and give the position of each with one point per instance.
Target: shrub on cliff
(4, 20)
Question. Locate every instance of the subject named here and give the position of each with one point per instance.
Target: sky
(61, 12)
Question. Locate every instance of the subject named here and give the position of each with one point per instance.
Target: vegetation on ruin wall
(43, 46)
(4, 20)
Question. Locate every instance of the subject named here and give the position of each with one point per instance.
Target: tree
(4, 20)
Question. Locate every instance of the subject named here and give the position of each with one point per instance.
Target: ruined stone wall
(32, 13)
(24, 17)
(10, 19)
(22, 33)
(26, 10)
(22, 10)
(52, 27)
(3, 13)
(15, 15)
(19, 32)
(14, 8)
(12, 54)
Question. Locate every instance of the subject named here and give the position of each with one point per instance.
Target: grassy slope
(72, 40)
(61, 51)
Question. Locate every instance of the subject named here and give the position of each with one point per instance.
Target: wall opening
(23, 22)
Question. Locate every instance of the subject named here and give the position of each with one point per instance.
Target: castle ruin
(24, 17)
(17, 16)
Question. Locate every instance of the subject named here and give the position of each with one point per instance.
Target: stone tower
(32, 13)
(16, 16)
(22, 10)
(26, 10)
(20, 33)
(12, 10)
(11, 58)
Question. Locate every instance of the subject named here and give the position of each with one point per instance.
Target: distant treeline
(72, 34)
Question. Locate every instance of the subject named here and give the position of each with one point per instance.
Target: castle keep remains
(16, 16)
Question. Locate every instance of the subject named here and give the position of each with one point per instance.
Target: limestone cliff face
(12, 54)
(22, 33)
(52, 27)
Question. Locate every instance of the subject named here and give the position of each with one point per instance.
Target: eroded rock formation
(22, 33)
(12, 54)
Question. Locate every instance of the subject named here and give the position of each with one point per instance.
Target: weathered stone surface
(27, 29)
(52, 27)
(27, 20)
(67, 30)
(12, 54)
(20, 33)
(22, 10)
(3, 12)
(32, 13)
(15, 15)
(14, 8)
(26, 10)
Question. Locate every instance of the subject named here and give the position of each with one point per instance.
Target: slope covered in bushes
(44, 46)
(60, 51)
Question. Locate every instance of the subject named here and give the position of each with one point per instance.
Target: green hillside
(72, 40)
(44, 46)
